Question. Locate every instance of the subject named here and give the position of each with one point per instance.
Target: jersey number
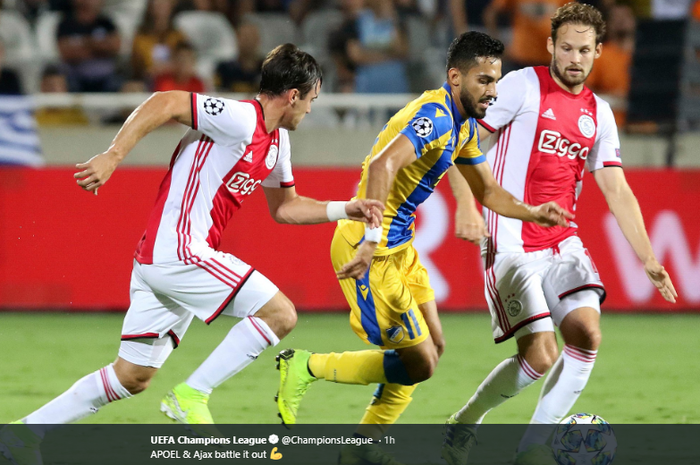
(242, 183)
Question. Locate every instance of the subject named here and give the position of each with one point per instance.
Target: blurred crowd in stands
(367, 46)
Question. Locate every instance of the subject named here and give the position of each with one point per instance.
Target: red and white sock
(561, 390)
(84, 398)
(240, 347)
(505, 381)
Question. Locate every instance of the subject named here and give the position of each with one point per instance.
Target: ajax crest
(586, 125)
(514, 307)
(271, 158)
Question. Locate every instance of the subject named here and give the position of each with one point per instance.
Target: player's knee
(136, 384)
(542, 359)
(590, 339)
(423, 368)
(286, 318)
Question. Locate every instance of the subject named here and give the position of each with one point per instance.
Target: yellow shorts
(384, 304)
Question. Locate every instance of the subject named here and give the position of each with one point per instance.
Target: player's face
(478, 86)
(300, 107)
(573, 54)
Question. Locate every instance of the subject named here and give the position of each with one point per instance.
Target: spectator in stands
(298, 9)
(183, 75)
(611, 73)
(9, 81)
(531, 27)
(31, 9)
(88, 43)
(242, 74)
(19, 51)
(374, 44)
(155, 41)
(338, 45)
(467, 14)
(54, 81)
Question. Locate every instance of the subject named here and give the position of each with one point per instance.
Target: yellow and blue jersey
(440, 137)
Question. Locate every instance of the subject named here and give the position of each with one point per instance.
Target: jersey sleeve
(281, 175)
(606, 149)
(430, 127)
(511, 92)
(470, 152)
(226, 121)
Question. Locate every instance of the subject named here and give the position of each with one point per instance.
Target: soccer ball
(584, 439)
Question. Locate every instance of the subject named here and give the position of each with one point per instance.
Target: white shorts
(523, 288)
(166, 297)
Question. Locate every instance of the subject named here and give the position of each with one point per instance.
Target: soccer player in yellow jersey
(393, 306)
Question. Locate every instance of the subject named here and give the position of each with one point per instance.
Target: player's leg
(573, 290)
(568, 377)
(267, 315)
(513, 288)
(141, 353)
(140, 356)
(384, 312)
(388, 309)
(262, 328)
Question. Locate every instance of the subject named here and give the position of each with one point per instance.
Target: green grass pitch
(646, 370)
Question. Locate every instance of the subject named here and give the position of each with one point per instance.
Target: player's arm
(491, 195)
(469, 224)
(397, 154)
(624, 206)
(160, 108)
(289, 208)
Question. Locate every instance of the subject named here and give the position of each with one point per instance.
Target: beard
(469, 104)
(566, 79)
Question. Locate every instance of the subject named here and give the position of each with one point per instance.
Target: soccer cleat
(295, 380)
(189, 406)
(365, 454)
(536, 454)
(459, 440)
(20, 445)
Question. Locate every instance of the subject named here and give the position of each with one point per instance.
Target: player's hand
(551, 214)
(358, 266)
(659, 276)
(96, 171)
(469, 225)
(366, 210)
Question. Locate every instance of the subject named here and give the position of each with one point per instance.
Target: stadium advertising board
(61, 248)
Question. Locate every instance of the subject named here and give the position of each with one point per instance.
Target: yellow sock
(361, 367)
(387, 405)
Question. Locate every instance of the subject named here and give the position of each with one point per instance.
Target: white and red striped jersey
(545, 138)
(226, 155)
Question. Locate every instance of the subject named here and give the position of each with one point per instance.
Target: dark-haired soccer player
(232, 149)
(393, 305)
(549, 127)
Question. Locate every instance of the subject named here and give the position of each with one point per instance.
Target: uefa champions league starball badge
(213, 106)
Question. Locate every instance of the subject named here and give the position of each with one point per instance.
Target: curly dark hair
(466, 48)
(579, 13)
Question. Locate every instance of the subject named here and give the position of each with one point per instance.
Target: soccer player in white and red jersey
(232, 148)
(549, 128)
